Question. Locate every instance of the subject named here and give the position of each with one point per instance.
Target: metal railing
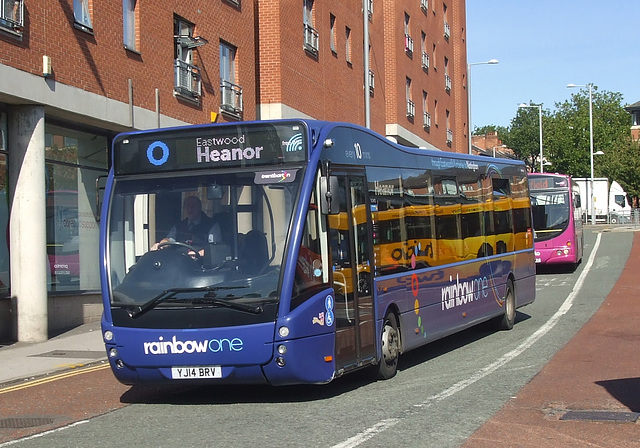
(311, 39)
(411, 109)
(230, 97)
(426, 121)
(408, 44)
(187, 79)
(425, 61)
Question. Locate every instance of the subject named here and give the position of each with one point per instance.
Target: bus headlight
(283, 332)
(108, 335)
(113, 352)
(280, 361)
(282, 349)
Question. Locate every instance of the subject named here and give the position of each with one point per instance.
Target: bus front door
(352, 275)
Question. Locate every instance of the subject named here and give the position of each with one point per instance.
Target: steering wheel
(178, 244)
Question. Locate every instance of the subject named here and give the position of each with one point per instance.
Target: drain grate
(602, 416)
(24, 422)
(92, 354)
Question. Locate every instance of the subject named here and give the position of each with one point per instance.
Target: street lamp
(491, 61)
(540, 126)
(590, 87)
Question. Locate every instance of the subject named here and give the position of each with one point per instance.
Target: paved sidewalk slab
(24, 361)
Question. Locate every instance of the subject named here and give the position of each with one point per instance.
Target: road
(441, 395)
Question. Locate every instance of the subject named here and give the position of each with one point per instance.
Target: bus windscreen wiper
(169, 294)
(253, 309)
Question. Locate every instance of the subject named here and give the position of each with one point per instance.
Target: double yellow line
(78, 370)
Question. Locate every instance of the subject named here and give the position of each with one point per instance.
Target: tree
(623, 165)
(566, 138)
(524, 135)
(568, 131)
(501, 131)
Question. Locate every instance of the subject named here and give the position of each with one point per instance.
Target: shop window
(74, 160)
(5, 274)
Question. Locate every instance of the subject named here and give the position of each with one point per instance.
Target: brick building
(416, 67)
(76, 72)
(634, 110)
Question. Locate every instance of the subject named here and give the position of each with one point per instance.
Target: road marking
(35, 436)
(51, 378)
(367, 434)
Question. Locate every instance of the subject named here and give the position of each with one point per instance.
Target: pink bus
(557, 218)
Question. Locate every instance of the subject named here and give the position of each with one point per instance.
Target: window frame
(82, 15)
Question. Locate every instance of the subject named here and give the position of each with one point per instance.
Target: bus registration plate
(195, 372)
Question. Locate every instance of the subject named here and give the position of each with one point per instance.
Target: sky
(544, 45)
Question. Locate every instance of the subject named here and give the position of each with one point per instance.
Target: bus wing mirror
(328, 204)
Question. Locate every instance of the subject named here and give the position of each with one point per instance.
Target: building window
(411, 107)
(447, 78)
(347, 49)
(425, 55)
(435, 113)
(408, 41)
(426, 118)
(447, 28)
(449, 131)
(187, 74)
(310, 33)
(11, 14)
(73, 162)
(230, 92)
(372, 77)
(434, 57)
(82, 15)
(332, 23)
(130, 27)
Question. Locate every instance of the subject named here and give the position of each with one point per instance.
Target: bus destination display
(209, 147)
(537, 182)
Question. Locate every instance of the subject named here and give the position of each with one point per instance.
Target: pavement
(26, 361)
(587, 395)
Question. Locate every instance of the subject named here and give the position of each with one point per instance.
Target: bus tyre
(390, 344)
(509, 317)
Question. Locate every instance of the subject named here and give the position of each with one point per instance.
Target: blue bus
(325, 248)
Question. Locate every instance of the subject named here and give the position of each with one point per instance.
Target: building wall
(323, 85)
(328, 85)
(87, 61)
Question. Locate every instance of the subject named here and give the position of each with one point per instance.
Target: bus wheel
(390, 343)
(509, 317)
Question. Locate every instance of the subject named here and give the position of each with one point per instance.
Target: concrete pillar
(28, 245)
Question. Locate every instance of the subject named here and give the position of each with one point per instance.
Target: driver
(196, 230)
